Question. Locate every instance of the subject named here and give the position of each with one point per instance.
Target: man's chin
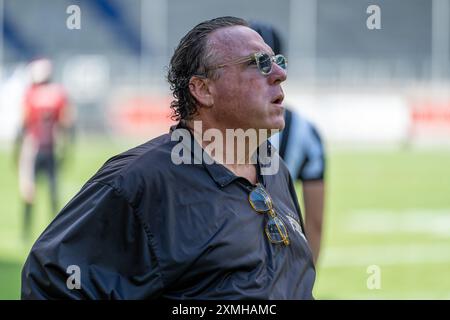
(272, 126)
(278, 125)
(275, 129)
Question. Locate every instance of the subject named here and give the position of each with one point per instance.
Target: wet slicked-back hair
(191, 57)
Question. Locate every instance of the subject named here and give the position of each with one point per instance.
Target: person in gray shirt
(300, 146)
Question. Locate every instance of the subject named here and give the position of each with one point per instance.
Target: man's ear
(200, 89)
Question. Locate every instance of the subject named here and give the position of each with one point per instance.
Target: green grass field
(390, 209)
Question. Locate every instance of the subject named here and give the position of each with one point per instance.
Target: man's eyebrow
(267, 50)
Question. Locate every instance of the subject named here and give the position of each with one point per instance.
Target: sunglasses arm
(237, 61)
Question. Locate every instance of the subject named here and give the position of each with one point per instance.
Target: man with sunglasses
(147, 225)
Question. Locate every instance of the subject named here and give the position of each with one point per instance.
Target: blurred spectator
(300, 146)
(43, 137)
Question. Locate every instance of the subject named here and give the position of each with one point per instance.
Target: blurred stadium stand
(121, 51)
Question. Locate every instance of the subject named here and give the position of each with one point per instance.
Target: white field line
(391, 223)
(384, 255)
(388, 295)
(422, 221)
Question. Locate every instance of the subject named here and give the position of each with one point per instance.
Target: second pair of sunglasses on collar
(275, 228)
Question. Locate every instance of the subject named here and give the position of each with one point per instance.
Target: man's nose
(278, 74)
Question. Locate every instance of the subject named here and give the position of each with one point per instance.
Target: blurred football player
(47, 122)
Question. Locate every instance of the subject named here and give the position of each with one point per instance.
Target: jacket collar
(218, 172)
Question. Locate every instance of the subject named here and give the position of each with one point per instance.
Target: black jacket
(143, 227)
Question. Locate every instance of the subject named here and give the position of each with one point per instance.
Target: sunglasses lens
(264, 63)
(259, 200)
(280, 60)
(276, 231)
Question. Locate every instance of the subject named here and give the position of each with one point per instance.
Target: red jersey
(44, 104)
